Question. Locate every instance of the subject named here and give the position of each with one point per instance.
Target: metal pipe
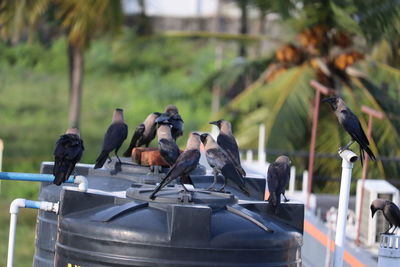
(372, 113)
(32, 177)
(35, 177)
(14, 209)
(348, 158)
(319, 89)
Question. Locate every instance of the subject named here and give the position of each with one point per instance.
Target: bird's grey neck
(164, 132)
(118, 116)
(73, 131)
(210, 144)
(226, 128)
(193, 142)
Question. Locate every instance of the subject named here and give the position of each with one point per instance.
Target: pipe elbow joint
(16, 204)
(348, 156)
(82, 183)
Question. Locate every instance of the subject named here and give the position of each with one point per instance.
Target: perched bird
(390, 211)
(144, 133)
(218, 159)
(227, 141)
(278, 178)
(186, 162)
(351, 124)
(171, 114)
(113, 139)
(169, 150)
(68, 152)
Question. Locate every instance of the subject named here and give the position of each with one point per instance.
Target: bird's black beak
(203, 137)
(214, 123)
(329, 100)
(196, 133)
(373, 211)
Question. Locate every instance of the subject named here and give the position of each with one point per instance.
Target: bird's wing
(284, 176)
(186, 162)
(229, 172)
(74, 148)
(135, 141)
(169, 150)
(115, 136)
(273, 177)
(229, 144)
(216, 158)
(395, 213)
(352, 125)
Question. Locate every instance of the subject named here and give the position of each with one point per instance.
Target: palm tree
(281, 97)
(81, 20)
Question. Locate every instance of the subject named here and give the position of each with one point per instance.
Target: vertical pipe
(261, 144)
(11, 240)
(363, 177)
(312, 145)
(347, 165)
(304, 186)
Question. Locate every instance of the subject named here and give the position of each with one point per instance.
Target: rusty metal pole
(372, 113)
(319, 89)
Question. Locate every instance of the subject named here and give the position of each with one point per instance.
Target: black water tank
(109, 181)
(176, 229)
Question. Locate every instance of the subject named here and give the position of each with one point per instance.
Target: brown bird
(144, 133)
(351, 124)
(186, 163)
(169, 150)
(227, 141)
(390, 211)
(113, 138)
(278, 177)
(171, 114)
(218, 159)
(68, 151)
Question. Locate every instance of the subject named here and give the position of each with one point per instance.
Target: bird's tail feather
(101, 159)
(159, 187)
(186, 180)
(230, 172)
(241, 171)
(275, 200)
(369, 152)
(59, 178)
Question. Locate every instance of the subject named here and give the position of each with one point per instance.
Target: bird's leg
(222, 189)
(387, 231)
(394, 230)
(346, 146)
(109, 159)
(285, 199)
(211, 187)
(119, 160)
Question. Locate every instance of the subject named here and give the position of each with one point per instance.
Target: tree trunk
(76, 65)
(243, 26)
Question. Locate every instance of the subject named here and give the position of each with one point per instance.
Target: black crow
(390, 211)
(113, 138)
(218, 159)
(169, 150)
(186, 162)
(143, 134)
(278, 177)
(351, 124)
(68, 151)
(227, 141)
(171, 114)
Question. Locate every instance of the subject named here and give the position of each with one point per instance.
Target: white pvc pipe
(389, 251)
(82, 183)
(348, 158)
(14, 209)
